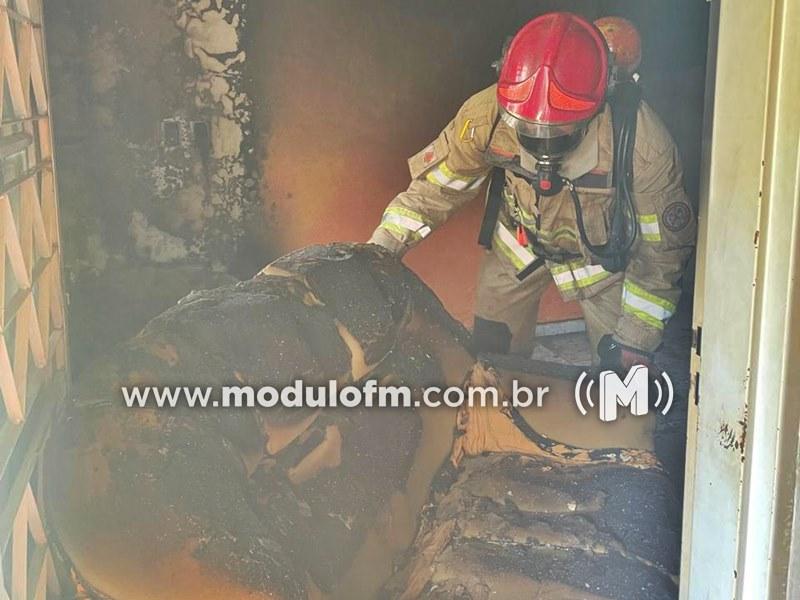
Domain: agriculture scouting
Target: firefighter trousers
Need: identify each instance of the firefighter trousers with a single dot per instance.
(506, 309)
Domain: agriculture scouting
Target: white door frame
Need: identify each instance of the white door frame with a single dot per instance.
(743, 430)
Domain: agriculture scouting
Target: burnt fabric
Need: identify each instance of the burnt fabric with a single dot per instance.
(512, 526)
(247, 503)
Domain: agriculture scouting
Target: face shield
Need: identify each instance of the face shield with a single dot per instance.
(530, 129)
(549, 144)
(553, 149)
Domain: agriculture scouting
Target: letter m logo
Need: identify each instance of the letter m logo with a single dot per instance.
(632, 393)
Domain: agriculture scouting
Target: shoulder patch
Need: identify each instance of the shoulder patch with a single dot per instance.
(429, 155)
(677, 216)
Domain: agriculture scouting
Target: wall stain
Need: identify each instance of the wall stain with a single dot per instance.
(734, 437)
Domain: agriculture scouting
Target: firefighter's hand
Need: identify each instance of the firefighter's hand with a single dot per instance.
(383, 238)
(618, 357)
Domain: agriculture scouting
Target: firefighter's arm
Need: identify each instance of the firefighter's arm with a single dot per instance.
(667, 231)
(445, 176)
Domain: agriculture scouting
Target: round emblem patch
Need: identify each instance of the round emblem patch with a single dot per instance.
(677, 216)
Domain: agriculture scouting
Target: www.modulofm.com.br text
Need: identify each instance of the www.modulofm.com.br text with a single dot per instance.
(299, 395)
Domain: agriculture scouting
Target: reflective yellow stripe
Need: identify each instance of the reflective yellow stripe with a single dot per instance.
(405, 212)
(518, 265)
(444, 176)
(643, 316)
(566, 285)
(405, 223)
(436, 177)
(528, 219)
(577, 274)
(597, 273)
(648, 224)
(452, 174)
(477, 183)
(559, 268)
(401, 232)
(633, 288)
(519, 256)
(645, 306)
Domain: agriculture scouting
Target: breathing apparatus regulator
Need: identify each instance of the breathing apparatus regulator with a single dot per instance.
(556, 75)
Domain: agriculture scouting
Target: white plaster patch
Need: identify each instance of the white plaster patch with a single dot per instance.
(189, 203)
(215, 44)
(154, 244)
(226, 137)
(209, 35)
(219, 87)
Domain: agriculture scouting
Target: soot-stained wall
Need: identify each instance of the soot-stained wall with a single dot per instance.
(154, 123)
(346, 91)
(155, 153)
(198, 139)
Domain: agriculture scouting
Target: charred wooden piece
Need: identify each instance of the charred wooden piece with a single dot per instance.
(513, 526)
(204, 503)
(201, 503)
(531, 517)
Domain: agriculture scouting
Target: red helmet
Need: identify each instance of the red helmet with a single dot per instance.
(554, 76)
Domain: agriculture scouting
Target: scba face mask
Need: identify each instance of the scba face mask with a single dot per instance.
(549, 154)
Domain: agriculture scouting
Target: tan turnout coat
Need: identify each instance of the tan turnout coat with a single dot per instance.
(634, 304)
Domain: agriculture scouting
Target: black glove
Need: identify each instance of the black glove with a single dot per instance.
(620, 358)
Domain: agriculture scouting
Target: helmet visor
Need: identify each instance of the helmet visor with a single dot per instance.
(553, 147)
(541, 130)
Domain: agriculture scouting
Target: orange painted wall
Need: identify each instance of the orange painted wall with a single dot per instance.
(345, 91)
(351, 93)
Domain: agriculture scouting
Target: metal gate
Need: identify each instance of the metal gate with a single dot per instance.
(32, 344)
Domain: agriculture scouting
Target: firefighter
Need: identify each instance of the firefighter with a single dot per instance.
(585, 188)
